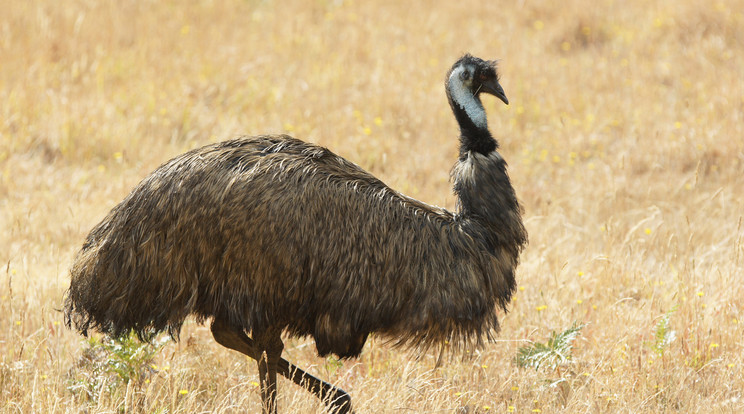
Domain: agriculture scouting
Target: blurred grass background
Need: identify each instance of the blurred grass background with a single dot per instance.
(625, 138)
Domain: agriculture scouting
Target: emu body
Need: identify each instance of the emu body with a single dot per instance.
(270, 234)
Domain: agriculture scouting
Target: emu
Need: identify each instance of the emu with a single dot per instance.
(269, 235)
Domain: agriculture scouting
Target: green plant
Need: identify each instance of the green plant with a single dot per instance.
(553, 354)
(663, 334)
(332, 365)
(110, 363)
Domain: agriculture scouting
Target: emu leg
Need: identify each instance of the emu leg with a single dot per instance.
(270, 345)
(234, 338)
(336, 398)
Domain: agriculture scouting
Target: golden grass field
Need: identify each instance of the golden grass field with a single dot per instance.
(625, 140)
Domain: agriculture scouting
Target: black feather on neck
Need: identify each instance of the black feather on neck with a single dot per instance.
(472, 137)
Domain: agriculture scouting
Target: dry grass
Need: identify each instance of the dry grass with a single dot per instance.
(626, 146)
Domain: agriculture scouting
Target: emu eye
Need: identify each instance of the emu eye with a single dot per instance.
(465, 75)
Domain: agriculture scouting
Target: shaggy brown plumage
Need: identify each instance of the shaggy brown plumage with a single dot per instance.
(272, 234)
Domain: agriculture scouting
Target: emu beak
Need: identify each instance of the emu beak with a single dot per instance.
(494, 88)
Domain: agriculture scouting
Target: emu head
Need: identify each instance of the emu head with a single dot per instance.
(474, 76)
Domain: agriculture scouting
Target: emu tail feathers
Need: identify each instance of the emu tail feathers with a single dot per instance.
(116, 285)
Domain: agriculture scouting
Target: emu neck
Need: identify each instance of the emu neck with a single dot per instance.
(472, 137)
(487, 205)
